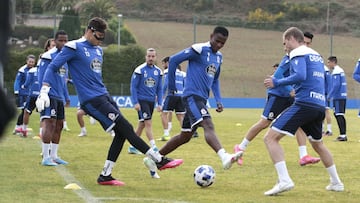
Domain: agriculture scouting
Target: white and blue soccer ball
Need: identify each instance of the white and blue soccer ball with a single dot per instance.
(204, 175)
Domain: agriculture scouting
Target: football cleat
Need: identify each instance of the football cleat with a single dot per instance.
(279, 188)
(109, 180)
(230, 159)
(166, 163)
(133, 150)
(308, 160)
(48, 162)
(237, 149)
(337, 187)
(341, 139)
(151, 165)
(60, 161)
(82, 134)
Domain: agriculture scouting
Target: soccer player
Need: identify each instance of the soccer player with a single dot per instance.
(356, 76)
(53, 115)
(146, 88)
(173, 102)
(84, 58)
(307, 112)
(338, 94)
(21, 94)
(202, 74)
(308, 37)
(31, 83)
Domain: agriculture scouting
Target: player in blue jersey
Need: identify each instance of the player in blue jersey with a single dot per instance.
(146, 89)
(21, 94)
(338, 94)
(84, 58)
(308, 37)
(307, 112)
(203, 71)
(356, 76)
(53, 115)
(173, 102)
(31, 83)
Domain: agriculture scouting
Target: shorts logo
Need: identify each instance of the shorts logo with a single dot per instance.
(111, 116)
(203, 111)
(145, 115)
(53, 112)
(271, 115)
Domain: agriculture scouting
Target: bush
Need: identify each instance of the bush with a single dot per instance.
(24, 32)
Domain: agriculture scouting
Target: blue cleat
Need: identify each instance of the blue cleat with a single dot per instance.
(133, 150)
(60, 161)
(48, 162)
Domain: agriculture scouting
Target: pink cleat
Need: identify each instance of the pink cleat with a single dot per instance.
(308, 160)
(168, 163)
(237, 149)
(109, 180)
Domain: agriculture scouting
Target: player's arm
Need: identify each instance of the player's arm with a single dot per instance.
(17, 83)
(29, 80)
(174, 61)
(298, 72)
(215, 87)
(159, 91)
(135, 79)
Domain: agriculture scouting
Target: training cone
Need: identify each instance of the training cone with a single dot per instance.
(72, 186)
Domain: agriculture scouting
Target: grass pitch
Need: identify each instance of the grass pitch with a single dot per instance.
(23, 179)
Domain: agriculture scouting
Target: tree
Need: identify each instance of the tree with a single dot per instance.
(71, 24)
(97, 8)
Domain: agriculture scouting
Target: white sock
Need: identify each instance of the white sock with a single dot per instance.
(166, 132)
(222, 154)
(45, 150)
(152, 143)
(65, 124)
(154, 155)
(334, 177)
(40, 131)
(54, 150)
(83, 130)
(329, 127)
(243, 145)
(169, 126)
(302, 151)
(24, 127)
(108, 166)
(282, 171)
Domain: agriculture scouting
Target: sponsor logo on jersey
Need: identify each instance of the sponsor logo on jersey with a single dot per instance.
(211, 70)
(150, 82)
(96, 65)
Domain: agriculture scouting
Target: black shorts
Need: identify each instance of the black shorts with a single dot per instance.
(30, 104)
(104, 109)
(172, 103)
(56, 110)
(275, 105)
(146, 110)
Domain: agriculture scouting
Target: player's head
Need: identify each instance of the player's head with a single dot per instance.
(275, 66)
(293, 37)
(308, 38)
(165, 62)
(218, 38)
(332, 61)
(30, 61)
(61, 38)
(95, 32)
(150, 56)
(50, 43)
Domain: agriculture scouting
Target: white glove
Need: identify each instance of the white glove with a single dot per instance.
(43, 99)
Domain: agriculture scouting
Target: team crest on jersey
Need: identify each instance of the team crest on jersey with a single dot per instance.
(156, 72)
(150, 82)
(211, 70)
(111, 116)
(62, 71)
(96, 65)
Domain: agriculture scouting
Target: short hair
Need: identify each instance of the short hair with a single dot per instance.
(295, 32)
(275, 65)
(308, 35)
(166, 59)
(60, 32)
(332, 59)
(30, 56)
(222, 30)
(97, 24)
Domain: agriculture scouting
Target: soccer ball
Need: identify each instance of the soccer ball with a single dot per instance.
(204, 175)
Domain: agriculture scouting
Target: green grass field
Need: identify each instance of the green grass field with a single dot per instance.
(23, 179)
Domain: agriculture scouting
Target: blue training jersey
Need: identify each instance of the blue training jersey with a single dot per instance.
(32, 82)
(146, 84)
(356, 74)
(282, 71)
(327, 80)
(56, 81)
(85, 66)
(307, 76)
(180, 77)
(20, 80)
(338, 89)
(202, 73)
